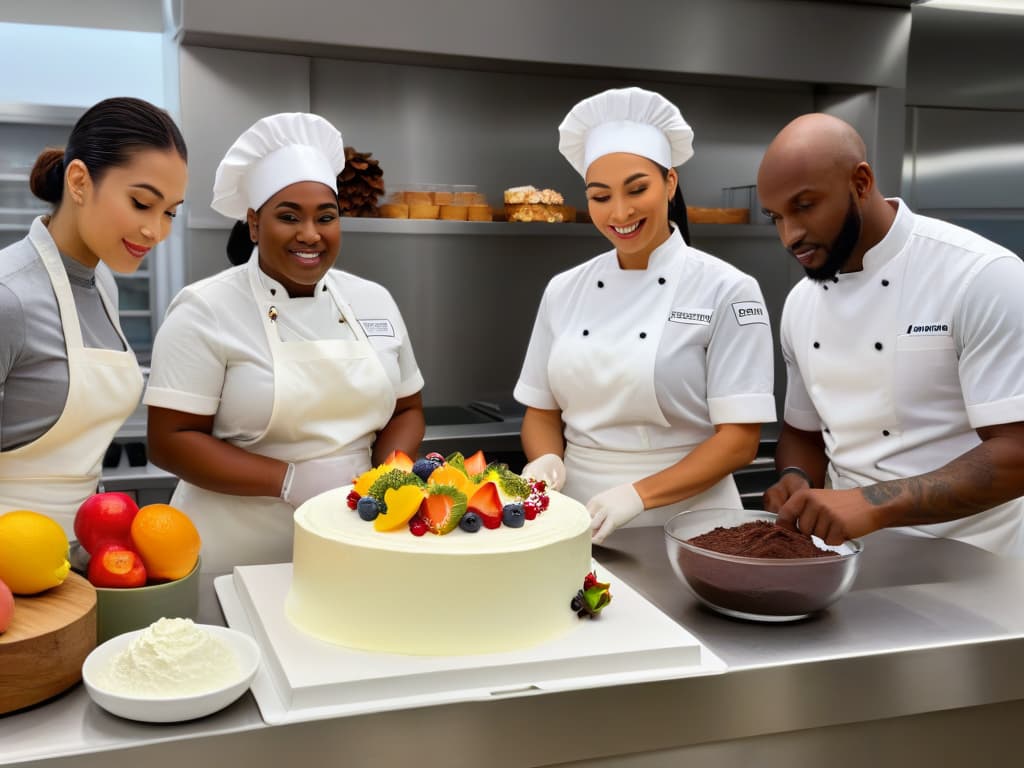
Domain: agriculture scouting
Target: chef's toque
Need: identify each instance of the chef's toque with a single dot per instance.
(629, 120)
(275, 152)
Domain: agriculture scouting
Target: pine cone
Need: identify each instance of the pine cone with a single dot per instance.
(360, 183)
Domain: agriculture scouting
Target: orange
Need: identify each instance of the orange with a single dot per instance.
(167, 541)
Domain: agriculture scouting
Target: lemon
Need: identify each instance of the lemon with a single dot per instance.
(33, 552)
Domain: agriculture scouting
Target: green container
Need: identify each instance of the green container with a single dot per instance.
(127, 609)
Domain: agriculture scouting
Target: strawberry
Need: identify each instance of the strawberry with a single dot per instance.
(589, 580)
(476, 464)
(443, 508)
(487, 503)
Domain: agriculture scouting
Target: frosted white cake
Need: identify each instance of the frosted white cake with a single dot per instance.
(457, 594)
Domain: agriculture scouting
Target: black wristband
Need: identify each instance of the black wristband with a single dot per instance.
(796, 471)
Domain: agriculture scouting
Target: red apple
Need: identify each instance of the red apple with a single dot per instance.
(105, 518)
(6, 607)
(115, 565)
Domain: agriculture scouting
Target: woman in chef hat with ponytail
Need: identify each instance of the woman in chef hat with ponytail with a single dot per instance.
(649, 371)
(279, 378)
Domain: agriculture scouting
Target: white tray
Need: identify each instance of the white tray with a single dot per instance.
(302, 678)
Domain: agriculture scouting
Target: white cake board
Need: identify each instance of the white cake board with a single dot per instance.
(302, 678)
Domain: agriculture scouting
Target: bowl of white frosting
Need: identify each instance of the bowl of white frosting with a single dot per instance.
(173, 670)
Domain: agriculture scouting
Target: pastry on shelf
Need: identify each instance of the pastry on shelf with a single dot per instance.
(697, 215)
(531, 204)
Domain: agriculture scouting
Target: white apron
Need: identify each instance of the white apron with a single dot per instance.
(612, 381)
(327, 395)
(55, 473)
(588, 471)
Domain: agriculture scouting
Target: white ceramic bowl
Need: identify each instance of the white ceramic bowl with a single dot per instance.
(178, 708)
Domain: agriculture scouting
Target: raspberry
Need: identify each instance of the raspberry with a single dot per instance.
(352, 499)
(544, 501)
(589, 580)
(416, 526)
(530, 508)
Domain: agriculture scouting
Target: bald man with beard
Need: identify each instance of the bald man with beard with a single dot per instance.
(904, 350)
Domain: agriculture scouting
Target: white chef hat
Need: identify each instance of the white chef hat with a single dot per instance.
(275, 152)
(630, 120)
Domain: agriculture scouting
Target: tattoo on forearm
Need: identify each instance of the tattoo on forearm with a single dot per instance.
(962, 487)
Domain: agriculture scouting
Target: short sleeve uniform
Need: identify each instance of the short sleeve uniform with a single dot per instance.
(652, 359)
(211, 355)
(898, 364)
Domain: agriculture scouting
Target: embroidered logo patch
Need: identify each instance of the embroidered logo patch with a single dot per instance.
(691, 316)
(377, 327)
(748, 312)
(928, 329)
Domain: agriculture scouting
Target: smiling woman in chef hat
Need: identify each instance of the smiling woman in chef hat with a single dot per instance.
(280, 378)
(649, 371)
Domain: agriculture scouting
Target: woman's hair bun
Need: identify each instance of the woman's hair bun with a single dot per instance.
(47, 178)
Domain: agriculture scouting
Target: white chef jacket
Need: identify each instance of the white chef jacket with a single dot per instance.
(688, 338)
(211, 355)
(899, 363)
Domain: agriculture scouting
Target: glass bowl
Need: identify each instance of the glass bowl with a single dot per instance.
(756, 588)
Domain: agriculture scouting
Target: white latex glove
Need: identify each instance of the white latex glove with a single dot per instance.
(612, 509)
(306, 479)
(548, 468)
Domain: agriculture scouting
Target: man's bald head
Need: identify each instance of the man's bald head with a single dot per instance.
(817, 187)
(816, 144)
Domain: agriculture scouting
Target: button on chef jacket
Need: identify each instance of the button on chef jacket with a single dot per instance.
(899, 363)
(211, 355)
(677, 348)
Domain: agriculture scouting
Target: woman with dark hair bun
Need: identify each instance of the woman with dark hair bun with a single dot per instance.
(68, 378)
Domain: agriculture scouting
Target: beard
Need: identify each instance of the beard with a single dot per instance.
(841, 249)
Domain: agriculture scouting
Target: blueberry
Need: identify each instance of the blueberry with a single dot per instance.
(470, 522)
(368, 508)
(422, 468)
(513, 515)
(576, 604)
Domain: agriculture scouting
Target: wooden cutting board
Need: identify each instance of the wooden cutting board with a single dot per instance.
(41, 653)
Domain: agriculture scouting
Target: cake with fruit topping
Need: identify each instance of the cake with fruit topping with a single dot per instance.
(440, 556)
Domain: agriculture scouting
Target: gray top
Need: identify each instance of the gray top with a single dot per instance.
(33, 357)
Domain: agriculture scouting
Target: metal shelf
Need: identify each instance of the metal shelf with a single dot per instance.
(521, 229)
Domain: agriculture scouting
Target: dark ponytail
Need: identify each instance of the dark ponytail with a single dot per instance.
(239, 247)
(105, 137)
(677, 209)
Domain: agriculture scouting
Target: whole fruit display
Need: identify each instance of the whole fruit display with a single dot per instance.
(105, 518)
(167, 540)
(33, 552)
(6, 607)
(115, 565)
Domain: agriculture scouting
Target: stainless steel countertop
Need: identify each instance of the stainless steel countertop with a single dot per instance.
(489, 436)
(930, 625)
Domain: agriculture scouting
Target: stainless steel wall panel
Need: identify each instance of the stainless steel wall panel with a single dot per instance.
(828, 42)
(499, 130)
(970, 60)
(967, 159)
